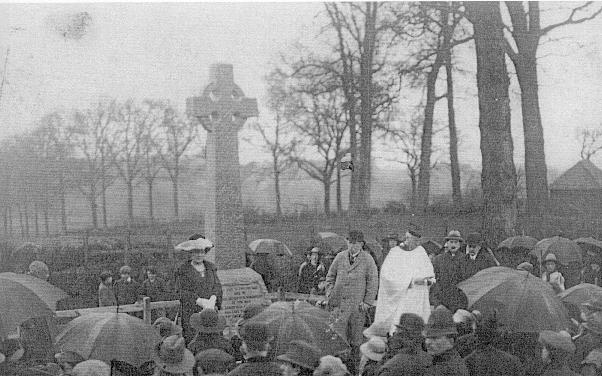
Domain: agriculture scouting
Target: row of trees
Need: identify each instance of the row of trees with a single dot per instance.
(88, 150)
(333, 97)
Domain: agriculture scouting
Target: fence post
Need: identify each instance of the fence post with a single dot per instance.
(146, 310)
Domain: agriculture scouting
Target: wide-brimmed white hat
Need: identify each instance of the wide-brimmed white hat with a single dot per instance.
(190, 245)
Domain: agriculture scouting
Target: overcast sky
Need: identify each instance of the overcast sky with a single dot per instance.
(164, 50)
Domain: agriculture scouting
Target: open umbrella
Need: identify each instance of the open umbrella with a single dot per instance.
(524, 302)
(331, 242)
(300, 320)
(109, 335)
(589, 244)
(271, 246)
(522, 241)
(23, 297)
(566, 250)
(580, 294)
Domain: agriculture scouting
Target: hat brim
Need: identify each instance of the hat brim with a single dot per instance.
(286, 358)
(185, 366)
(439, 332)
(454, 238)
(370, 354)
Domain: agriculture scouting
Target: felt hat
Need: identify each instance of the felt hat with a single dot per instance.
(166, 327)
(526, 266)
(594, 322)
(557, 340)
(454, 235)
(207, 321)
(302, 354)
(199, 244)
(125, 270)
(214, 361)
(356, 236)
(441, 323)
(474, 238)
(255, 332)
(550, 257)
(374, 349)
(39, 269)
(415, 230)
(410, 326)
(91, 367)
(172, 356)
(463, 316)
(331, 366)
(68, 357)
(315, 250)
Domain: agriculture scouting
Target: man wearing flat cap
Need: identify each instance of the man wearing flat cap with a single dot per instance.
(449, 271)
(351, 286)
(196, 281)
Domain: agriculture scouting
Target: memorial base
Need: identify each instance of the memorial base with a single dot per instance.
(241, 287)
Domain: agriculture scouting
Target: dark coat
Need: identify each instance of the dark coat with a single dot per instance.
(448, 363)
(126, 292)
(309, 277)
(449, 271)
(258, 366)
(406, 364)
(558, 370)
(466, 344)
(482, 261)
(583, 346)
(191, 285)
(489, 361)
(206, 341)
(156, 291)
(106, 296)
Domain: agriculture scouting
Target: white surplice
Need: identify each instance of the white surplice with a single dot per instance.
(397, 294)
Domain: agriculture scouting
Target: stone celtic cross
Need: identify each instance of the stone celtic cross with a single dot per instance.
(222, 109)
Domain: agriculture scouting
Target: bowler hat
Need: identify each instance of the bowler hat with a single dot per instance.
(550, 257)
(255, 332)
(215, 361)
(125, 270)
(207, 321)
(474, 238)
(302, 354)
(454, 235)
(415, 230)
(356, 236)
(410, 326)
(441, 323)
(557, 340)
(374, 349)
(172, 356)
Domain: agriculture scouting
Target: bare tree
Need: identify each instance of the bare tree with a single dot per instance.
(125, 145)
(151, 158)
(88, 137)
(521, 44)
(177, 133)
(498, 176)
(591, 142)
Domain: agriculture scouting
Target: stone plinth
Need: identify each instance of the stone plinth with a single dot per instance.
(241, 287)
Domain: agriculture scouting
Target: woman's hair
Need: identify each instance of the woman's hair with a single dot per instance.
(105, 275)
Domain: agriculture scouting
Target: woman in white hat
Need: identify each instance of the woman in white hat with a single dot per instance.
(551, 273)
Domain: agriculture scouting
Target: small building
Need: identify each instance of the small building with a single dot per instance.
(578, 190)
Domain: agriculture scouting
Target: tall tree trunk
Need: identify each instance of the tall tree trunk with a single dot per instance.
(62, 199)
(103, 186)
(339, 198)
(5, 217)
(10, 221)
(36, 223)
(365, 80)
(277, 191)
(26, 217)
(453, 136)
(326, 184)
(498, 177)
(413, 180)
(130, 188)
(536, 170)
(174, 188)
(21, 224)
(424, 173)
(46, 220)
(93, 206)
(151, 213)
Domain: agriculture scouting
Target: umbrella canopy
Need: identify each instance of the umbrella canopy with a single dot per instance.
(271, 246)
(301, 321)
(566, 250)
(589, 244)
(331, 242)
(524, 302)
(522, 241)
(580, 294)
(109, 335)
(24, 297)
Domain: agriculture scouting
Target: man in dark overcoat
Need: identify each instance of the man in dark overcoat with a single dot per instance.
(449, 269)
(478, 257)
(196, 281)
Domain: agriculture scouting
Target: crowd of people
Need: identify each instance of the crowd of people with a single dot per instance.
(401, 313)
